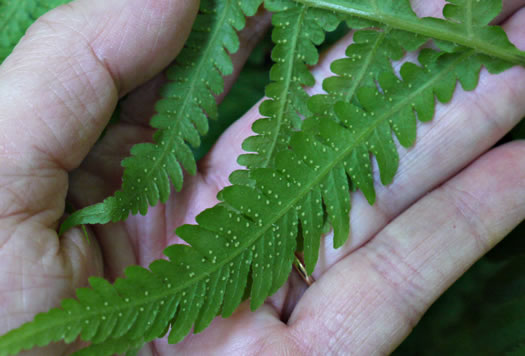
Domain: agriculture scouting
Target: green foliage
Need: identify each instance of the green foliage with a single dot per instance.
(299, 173)
(181, 116)
(15, 18)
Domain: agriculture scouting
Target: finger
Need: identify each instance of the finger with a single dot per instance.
(60, 85)
(37, 270)
(509, 8)
(434, 8)
(374, 297)
(57, 91)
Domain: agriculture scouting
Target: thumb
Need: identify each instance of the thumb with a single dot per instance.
(60, 85)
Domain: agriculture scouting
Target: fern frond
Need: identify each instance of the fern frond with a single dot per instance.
(466, 25)
(15, 18)
(182, 115)
(314, 173)
(297, 31)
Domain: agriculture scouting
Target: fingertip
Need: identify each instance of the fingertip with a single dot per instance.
(507, 162)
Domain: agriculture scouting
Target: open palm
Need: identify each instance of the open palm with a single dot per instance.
(450, 202)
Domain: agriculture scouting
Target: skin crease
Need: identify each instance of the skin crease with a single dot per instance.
(57, 91)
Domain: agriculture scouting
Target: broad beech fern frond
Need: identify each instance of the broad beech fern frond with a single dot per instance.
(188, 99)
(245, 245)
(15, 18)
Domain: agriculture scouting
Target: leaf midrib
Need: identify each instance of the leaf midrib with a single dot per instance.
(359, 140)
(368, 63)
(284, 96)
(438, 29)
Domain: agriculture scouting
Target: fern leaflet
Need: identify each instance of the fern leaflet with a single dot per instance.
(181, 120)
(112, 347)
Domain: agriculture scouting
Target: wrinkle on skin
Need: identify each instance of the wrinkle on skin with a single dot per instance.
(466, 205)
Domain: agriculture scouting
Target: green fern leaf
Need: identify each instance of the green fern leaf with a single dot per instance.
(369, 55)
(465, 26)
(135, 310)
(15, 18)
(189, 96)
(314, 172)
(297, 30)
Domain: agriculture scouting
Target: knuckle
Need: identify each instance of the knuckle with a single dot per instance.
(467, 207)
(404, 282)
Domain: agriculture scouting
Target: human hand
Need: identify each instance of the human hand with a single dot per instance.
(57, 92)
